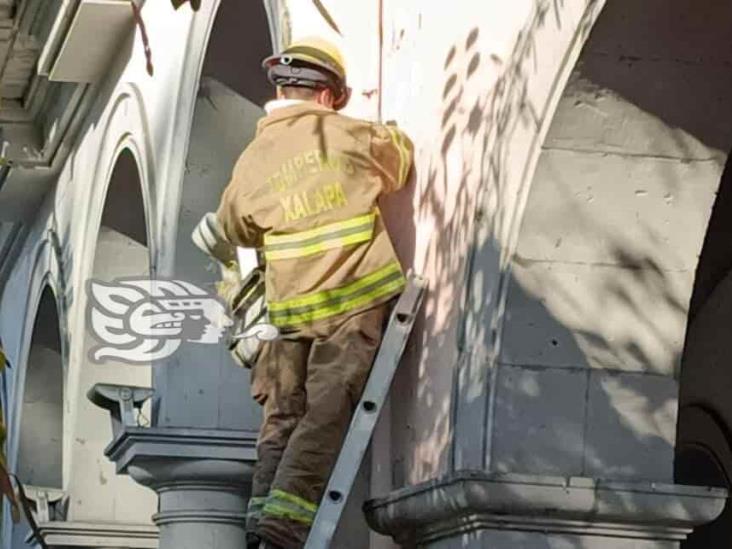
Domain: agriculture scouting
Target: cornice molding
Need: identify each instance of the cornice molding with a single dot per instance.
(97, 534)
(473, 500)
(148, 444)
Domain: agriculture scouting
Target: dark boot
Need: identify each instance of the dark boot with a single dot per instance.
(253, 540)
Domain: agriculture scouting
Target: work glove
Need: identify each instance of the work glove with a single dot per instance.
(251, 322)
(244, 297)
(209, 237)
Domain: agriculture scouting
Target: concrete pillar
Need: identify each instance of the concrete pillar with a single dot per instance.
(202, 479)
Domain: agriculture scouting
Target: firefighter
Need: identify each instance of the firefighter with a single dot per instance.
(305, 192)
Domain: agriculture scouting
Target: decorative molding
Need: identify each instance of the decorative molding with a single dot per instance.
(470, 501)
(99, 534)
(205, 517)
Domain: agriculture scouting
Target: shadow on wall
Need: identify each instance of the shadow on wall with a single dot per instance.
(575, 401)
(463, 184)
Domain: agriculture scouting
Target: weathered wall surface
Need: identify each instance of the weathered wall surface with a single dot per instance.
(478, 104)
(604, 268)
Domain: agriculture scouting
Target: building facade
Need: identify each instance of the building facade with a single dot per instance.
(566, 384)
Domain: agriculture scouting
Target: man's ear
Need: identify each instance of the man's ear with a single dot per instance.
(326, 97)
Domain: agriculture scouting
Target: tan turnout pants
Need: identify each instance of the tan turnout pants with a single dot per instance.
(309, 388)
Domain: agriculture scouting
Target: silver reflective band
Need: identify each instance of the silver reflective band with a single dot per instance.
(209, 237)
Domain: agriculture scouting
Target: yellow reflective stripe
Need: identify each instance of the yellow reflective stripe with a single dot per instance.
(299, 238)
(318, 298)
(343, 307)
(285, 505)
(280, 511)
(387, 280)
(327, 237)
(338, 242)
(398, 144)
(403, 152)
(292, 498)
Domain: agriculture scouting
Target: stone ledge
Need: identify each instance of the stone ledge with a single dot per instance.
(99, 534)
(474, 500)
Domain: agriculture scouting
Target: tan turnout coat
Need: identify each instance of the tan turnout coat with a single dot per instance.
(305, 191)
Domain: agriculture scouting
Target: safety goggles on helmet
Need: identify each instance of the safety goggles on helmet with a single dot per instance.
(301, 75)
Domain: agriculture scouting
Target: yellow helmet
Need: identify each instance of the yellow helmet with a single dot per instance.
(310, 62)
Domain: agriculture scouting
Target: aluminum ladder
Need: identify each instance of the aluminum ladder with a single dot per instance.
(366, 414)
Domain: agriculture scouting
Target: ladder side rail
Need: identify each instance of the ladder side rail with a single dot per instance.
(366, 415)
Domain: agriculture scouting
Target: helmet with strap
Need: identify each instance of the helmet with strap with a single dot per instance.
(311, 63)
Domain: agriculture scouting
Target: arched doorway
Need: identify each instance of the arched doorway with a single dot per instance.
(122, 243)
(96, 492)
(41, 427)
(40, 453)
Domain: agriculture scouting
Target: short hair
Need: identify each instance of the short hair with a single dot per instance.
(300, 92)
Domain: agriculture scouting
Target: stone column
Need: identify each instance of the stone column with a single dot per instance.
(202, 478)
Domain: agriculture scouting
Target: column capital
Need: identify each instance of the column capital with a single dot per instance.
(202, 478)
(155, 456)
